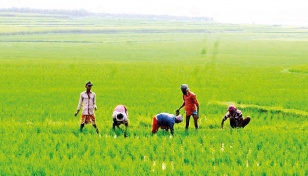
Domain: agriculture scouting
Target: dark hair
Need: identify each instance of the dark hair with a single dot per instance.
(120, 116)
(89, 83)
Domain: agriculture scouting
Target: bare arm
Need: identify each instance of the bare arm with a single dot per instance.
(171, 128)
(222, 122)
(178, 110)
(126, 126)
(94, 102)
(197, 104)
(198, 111)
(76, 112)
(172, 131)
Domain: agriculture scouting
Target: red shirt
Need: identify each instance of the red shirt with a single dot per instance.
(191, 102)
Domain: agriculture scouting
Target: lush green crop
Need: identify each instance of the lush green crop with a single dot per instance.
(260, 69)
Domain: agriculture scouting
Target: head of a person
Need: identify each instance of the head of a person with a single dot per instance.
(120, 117)
(89, 85)
(184, 88)
(178, 119)
(231, 109)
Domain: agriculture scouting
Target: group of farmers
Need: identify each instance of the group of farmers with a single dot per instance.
(163, 120)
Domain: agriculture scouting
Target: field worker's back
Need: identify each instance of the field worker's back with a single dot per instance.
(236, 115)
(166, 119)
(120, 109)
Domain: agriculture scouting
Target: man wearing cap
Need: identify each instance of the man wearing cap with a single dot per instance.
(165, 121)
(120, 116)
(191, 105)
(236, 119)
(88, 101)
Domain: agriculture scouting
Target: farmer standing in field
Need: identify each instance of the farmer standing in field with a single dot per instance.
(236, 119)
(88, 101)
(120, 116)
(191, 105)
(165, 121)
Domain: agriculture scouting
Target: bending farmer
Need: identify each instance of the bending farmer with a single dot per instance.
(165, 121)
(236, 119)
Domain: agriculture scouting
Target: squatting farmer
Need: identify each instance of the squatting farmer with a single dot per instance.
(88, 101)
(236, 119)
(165, 121)
(120, 116)
(191, 105)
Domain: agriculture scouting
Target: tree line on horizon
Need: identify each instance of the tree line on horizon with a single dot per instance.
(85, 13)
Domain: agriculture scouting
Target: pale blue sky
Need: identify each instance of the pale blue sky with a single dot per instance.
(285, 12)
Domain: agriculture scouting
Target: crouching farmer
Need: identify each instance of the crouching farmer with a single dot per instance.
(165, 121)
(120, 116)
(236, 119)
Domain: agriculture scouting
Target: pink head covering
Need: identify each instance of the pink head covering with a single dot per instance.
(231, 108)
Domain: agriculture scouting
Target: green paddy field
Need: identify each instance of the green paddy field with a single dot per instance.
(46, 59)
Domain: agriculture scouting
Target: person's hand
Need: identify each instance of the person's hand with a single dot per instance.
(177, 112)
(95, 108)
(76, 113)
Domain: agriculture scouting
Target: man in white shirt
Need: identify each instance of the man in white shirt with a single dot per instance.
(88, 101)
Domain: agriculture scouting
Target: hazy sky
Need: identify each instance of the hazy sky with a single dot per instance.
(291, 12)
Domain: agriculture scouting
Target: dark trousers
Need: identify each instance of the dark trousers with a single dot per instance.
(241, 123)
